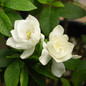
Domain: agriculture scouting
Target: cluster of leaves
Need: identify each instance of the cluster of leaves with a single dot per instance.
(30, 71)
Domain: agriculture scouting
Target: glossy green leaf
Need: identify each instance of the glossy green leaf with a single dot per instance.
(44, 70)
(46, 1)
(84, 38)
(72, 64)
(65, 82)
(79, 76)
(81, 68)
(71, 11)
(39, 7)
(49, 18)
(39, 48)
(22, 5)
(4, 62)
(5, 24)
(58, 4)
(2, 1)
(5, 52)
(13, 16)
(78, 79)
(24, 77)
(11, 75)
(43, 1)
(38, 78)
(13, 56)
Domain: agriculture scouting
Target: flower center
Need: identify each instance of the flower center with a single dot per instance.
(28, 34)
(58, 48)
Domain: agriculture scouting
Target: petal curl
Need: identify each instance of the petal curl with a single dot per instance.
(45, 57)
(43, 42)
(76, 56)
(33, 19)
(16, 23)
(64, 58)
(57, 68)
(15, 35)
(10, 42)
(27, 53)
(57, 31)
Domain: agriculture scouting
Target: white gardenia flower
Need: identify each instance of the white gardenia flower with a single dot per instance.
(59, 49)
(26, 35)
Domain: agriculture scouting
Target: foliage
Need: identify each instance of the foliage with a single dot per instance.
(29, 72)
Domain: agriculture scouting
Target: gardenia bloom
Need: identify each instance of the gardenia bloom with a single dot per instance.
(57, 48)
(26, 35)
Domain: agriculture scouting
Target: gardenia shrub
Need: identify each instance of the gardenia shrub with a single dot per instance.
(36, 46)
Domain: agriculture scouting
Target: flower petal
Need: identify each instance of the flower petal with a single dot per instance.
(10, 42)
(43, 42)
(15, 36)
(45, 57)
(27, 53)
(57, 68)
(64, 58)
(57, 31)
(33, 19)
(16, 23)
(35, 37)
(76, 56)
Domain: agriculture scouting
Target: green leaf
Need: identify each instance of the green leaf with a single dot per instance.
(43, 1)
(5, 24)
(5, 52)
(49, 18)
(2, 1)
(13, 16)
(58, 4)
(65, 82)
(4, 62)
(71, 11)
(81, 68)
(13, 56)
(39, 7)
(84, 38)
(46, 1)
(23, 5)
(38, 78)
(72, 64)
(11, 75)
(78, 79)
(44, 70)
(24, 77)
(79, 76)
(39, 48)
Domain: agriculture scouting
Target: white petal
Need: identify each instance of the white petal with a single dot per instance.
(16, 23)
(27, 53)
(22, 45)
(45, 57)
(22, 27)
(15, 36)
(43, 42)
(32, 18)
(57, 68)
(10, 42)
(76, 56)
(42, 38)
(35, 37)
(57, 31)
(65, 37)
(62, 59)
